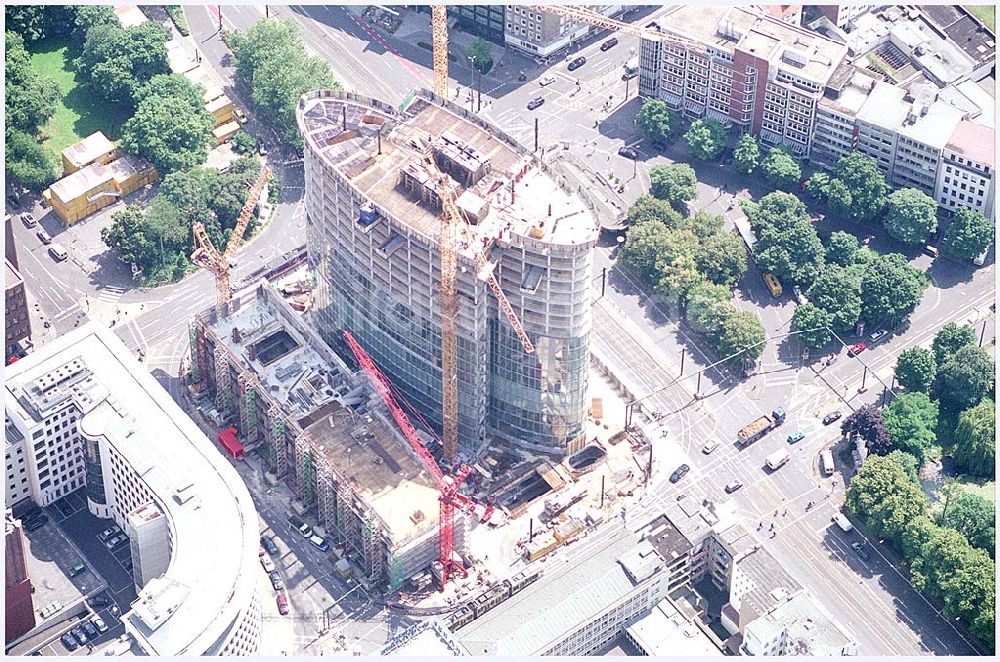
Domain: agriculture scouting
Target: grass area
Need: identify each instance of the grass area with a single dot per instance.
(79, 112)
(984, 488)
(985, 13)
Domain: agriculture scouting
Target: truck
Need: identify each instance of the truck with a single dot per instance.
(777, 459)
(759, 427)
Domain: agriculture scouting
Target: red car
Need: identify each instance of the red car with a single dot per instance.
(282, 604)
(857, 349)
(261, 551)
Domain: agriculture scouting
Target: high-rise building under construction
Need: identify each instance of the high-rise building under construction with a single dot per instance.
(373, 222)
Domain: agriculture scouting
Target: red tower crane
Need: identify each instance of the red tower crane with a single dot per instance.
(447, 486)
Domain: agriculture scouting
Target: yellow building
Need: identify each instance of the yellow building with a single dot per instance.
(97, 186)
(95, 148)
(225, 131)
(221, 108)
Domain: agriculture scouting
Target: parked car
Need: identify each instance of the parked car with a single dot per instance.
(305, 530)
(861, 550)
(276, 581)
(44, 236)
(857, 348)
(577, 63)
(79, 634)
(79, 568)
(101, 626)
(710, 446)
(831, 417)
(262, 551)
(100, 601)
(282, 604)
(320, 543)
(679, 473)
(629, 153)
(733, 486)
(931, 250)
(609, 44)
(108, 532)
(535, 103)
(269, 545)
(796, 437)
(800, 298)
(57, 252)
(267, 564)
(35, 524)
(28, 219)
(546, 80)
(115, 541)
(878, 335)
(90, 629)
(69, 642)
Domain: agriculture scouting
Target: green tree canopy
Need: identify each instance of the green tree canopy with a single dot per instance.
(88, 16)
(272, 61)
(911, 216)
(28, 21)
(127, 236)
(814, 323)
(706, 138)
(794, 253)
(746, 156)
(974, 517)
(890, 289)
(707, 306)
(865, 183)
(741, 330)
(656, 121)
(911, 420)
(27, 161)
(169, 132)
(950, 339)
(676, 269)
(644, 244)
(966, 378)
(841, 248)
(909, 463)
(818, 186)
(884, 495)
(969, 234)
(838, 292)
(722, 258)
(975, 440)
(675, 183)
(30, 97)
(781, 169)
(776, 211)
(916, 369)
(482, 54)
(703, 224)
(649, 208)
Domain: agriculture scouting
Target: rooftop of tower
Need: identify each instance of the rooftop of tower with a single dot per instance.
(501, 188)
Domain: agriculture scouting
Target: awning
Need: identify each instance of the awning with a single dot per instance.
(229, 441)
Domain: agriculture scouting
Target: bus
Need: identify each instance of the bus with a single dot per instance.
(773, 284)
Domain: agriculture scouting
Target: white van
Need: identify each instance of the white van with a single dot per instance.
(777, 459)
(826, 463)
(844, 523)
(57, 252)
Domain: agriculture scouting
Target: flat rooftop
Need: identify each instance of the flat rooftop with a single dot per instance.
(87, 179)
(853, 94)
(90, 148)
(809, 628)
(665, 631)
(213, 565)
(345, 133)
(729, 28)
(974, 141)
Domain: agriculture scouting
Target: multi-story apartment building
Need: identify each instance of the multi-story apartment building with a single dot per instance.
(754, 73)
(17, 326)
(487, 21)
(842, 14)
(966, 176)
(373, 222)
(90, 416)
(19, 610)
(836, 131)
(543, 34)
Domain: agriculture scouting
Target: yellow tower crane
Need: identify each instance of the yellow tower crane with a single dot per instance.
(208, 257)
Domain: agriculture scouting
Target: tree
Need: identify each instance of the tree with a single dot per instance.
(116, 62)
(916, 369)
(886, 497)
(704, 225)
(656, 121)
(706, 138)
(243, 143)
(746, 156)
(169, 132)
(707, 306)
(865, 183)
(479, 49)
(30, 97)
(740, 331)
(675, 183)
(909, 463)
(781, 169)
(838, 292)
(839, 200)
(973, 517)
(950, 339)
(794, 254)
(644, 243)
(232, 189)
(271, 60)
(28, 21)
(966, 378)
(867, 422)
(814, 325)
(969, 235)
(890, 289)
(649, 208)
(88, 16)
(722, 258)
(776, 211)
(911, 216)
(27, 161)
(127, 236)
(916, 534)
(675, 269)
(841, 247)
(164, 86)
(975, 440)
(911, 420)
(818, 185)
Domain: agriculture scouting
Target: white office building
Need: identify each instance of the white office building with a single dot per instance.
(966, 175)
(88, 415)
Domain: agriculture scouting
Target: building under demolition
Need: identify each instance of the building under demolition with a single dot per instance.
(373, 225)
(322, 431)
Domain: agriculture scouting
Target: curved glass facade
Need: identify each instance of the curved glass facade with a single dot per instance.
(94, 470)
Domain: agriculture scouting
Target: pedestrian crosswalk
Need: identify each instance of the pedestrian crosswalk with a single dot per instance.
(110, 294)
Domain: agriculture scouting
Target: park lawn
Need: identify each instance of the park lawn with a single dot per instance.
(986, 14)
(79, 112)
(984, 488)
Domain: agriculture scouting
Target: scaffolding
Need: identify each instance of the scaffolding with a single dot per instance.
(307, 484)
(278, 448)
(326, 496)
(223, 386)
(195, 346)
(343, 496)
(370, 534)
(248, 410)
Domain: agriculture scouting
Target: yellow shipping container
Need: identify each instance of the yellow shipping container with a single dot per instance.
(97, 186)
(221, 108)
(95, 148)
(225, 132)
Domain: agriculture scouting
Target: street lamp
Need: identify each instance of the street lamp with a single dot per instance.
(478, 98)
